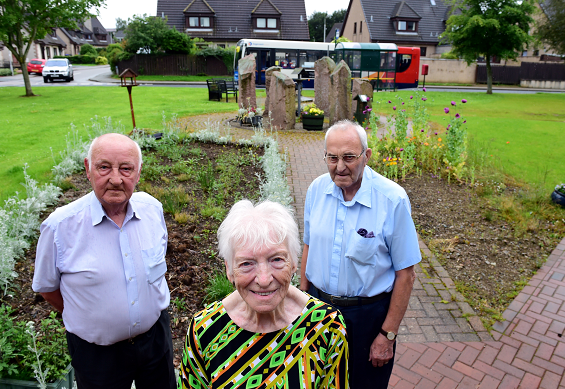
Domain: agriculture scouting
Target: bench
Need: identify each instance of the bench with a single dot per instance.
(214, 91)
(229, 87)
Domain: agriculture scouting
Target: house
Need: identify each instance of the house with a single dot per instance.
(332, 34)
(415, 23)
(224, 23)
(50, 46)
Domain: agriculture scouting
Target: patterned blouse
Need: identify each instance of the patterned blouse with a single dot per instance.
(311, 352)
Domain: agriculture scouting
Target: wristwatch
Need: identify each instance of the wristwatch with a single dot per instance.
(389, 335)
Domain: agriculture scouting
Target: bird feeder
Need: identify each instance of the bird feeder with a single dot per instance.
(128, 73)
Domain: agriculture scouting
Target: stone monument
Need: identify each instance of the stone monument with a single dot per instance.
(268, 73)
(360, 87)
(323, 68)
(340, 93)
(246, 67)
(282, 101)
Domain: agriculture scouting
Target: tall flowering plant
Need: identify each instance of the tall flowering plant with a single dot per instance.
(456, 140)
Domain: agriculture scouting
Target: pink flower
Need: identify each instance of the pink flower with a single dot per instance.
(463, 101)
(421, 130)
(457, 115)
(464, 121)
(424, 89)
(411, 97)
(453, 103)
(394, 108)
(403, 103)
(403, 110)
(446, 110)
(401, 149)
(424, 98)
(448, 126)
(369, 109)
(435, 133)
(389, 101)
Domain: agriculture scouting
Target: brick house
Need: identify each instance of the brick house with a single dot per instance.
(224, 23)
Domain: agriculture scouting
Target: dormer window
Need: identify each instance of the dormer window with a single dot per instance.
(199, 17)
(405, 25)
(266, 23)
(199, 22)
(265, 17)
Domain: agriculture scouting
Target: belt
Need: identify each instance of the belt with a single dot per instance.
(351, 301)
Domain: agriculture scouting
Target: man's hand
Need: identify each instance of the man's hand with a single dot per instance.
(381, 351)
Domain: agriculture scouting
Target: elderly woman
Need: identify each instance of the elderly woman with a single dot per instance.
(267, 333)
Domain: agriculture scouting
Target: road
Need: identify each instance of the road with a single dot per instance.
(82, 76)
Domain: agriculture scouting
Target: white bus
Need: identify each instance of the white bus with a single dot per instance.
(286, 54)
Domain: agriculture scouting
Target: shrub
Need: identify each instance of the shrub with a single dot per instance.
(87, 49)
(5, 72)
(449, 55)
(101, 61)
(79, 59)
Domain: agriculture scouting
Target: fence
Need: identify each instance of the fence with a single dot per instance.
(174, 65)
(526, 71)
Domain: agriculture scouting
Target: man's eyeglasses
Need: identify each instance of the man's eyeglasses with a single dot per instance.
(347, 158)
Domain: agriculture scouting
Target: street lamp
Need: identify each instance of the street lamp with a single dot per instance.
(128, 73)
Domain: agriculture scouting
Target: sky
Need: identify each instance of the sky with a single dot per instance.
(127, 8)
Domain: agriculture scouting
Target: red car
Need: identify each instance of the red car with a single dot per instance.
(35, 66)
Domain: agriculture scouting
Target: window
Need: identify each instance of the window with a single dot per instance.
(423, 51)
(199, 22)
(404, 62)
(266, 23)
(525, 53)
(355, 28)
(536, 53)
(360, 27)
(404, 25)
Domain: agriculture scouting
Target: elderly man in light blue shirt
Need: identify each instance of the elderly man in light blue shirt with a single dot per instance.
(360, 248)
(101, 262)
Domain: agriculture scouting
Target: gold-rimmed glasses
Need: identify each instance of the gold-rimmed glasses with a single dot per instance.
(347, 158)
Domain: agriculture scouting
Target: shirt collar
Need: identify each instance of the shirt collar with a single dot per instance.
(98, 213)
(363, 195)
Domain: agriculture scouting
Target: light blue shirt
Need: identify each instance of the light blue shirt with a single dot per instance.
(111, 278)
(340, 261)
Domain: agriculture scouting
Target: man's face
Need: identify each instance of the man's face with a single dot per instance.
(114, 170)
(347, 176)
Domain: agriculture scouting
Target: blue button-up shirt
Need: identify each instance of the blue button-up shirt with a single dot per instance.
(111, 278)
(340, 261)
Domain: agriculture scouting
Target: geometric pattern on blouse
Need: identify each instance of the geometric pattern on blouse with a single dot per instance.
(311, 352)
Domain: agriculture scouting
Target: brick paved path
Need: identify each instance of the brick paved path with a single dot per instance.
(442, 344)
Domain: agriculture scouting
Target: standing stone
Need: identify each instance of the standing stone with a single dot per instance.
(322, 70)
(282, 101)
(340, 93)
(268, 73)
(247, 68)
(360, 87)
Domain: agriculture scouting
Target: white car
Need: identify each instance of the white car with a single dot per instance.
(58, 69)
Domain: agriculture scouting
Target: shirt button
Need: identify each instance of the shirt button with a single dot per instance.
(134, 324)
(129, 279)
(133, 302)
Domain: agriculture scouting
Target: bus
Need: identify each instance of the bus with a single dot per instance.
(384, 64)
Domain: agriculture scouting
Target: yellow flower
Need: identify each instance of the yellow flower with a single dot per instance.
(384, 159)
(394, 159)
(439, 139)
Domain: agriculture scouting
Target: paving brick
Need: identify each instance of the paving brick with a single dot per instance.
(548, 365)
(556, 327)
(523, 327)
(548, 290)
(550, 381)
(421, 348)
(409, 358)
(552, 307)
(468, 355)
(545, 351)
(488, 355)
(407, 375)
(468, 371)
(456, 345)
(464, 325)
(447, 383)
(530, 381)
(512, 342)
(437, 346)
(429, 321)
(469, 337)
(476, 323)
(430, 333)
(558, 360)
(447, 372)
(426, 372)
(508, 368)
(404, 385)
(507, 353)
(509, 382)
(446, 337)
(524, 339)
(443, 329)
(526, 352)
(412, 338)
(449, 356)
(466, 308)
(540, 327)
(544, 339)
(489, 383)
(528, 367)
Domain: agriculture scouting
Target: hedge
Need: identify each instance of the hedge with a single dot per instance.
(79, 59)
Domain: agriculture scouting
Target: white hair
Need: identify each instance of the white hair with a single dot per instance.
(344, 125)
(265, 224)
(95, 140)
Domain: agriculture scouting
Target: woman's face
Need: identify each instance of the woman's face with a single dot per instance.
(262, 277)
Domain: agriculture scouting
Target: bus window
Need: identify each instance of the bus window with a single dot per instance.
(388, 60)
(286, 60)
(404, 61)
(353, 59)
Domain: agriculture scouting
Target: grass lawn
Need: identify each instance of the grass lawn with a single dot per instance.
(525, 132)
(29, 127)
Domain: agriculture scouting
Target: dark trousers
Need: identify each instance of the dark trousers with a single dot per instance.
(363, 323)
(147, 359)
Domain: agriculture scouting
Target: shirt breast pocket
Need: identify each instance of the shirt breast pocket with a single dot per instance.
(154, 262)
(361, 250)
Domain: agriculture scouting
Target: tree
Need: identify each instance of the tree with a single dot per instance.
(489, 28)
(551, 28)
(150, 34)
(87, 49)
(24, 21)
(316, 23)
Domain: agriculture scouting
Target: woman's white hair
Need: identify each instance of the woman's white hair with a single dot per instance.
(95, 140)
(343, 125)
(265, 224)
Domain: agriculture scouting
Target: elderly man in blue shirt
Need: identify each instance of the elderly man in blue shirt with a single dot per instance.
(101, 262)
(360, 248)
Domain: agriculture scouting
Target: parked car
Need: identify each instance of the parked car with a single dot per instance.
(35, 66)
(58, 69)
